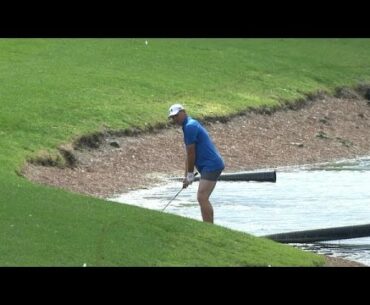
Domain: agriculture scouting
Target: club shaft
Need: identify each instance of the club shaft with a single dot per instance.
(176, 195)
(172, 199)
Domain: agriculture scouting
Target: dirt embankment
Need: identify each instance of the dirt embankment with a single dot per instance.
(332, 261)
(321, 128)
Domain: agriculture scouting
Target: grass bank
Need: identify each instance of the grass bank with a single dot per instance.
(55, 90)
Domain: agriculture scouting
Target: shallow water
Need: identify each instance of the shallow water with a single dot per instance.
(305, 198)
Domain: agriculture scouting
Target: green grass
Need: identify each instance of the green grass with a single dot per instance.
(55, 90)
(48, 227)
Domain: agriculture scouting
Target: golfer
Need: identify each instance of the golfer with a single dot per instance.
(201, 153)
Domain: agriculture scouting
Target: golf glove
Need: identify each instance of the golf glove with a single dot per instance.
(190, 178)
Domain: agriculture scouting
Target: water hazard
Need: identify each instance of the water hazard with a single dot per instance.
(305, 198)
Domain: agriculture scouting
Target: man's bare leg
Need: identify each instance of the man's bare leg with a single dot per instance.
(205, 190)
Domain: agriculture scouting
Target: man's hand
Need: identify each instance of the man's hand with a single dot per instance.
(188, 180)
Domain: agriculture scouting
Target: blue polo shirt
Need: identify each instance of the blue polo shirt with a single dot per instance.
(207, 157)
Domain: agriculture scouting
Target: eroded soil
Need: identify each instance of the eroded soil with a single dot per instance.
(324, 129)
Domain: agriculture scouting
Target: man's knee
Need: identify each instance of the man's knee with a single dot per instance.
(205, 191)
(202, 197)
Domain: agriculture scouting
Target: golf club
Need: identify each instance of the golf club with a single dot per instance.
(176, 195)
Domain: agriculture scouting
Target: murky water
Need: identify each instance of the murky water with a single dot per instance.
(305, 198)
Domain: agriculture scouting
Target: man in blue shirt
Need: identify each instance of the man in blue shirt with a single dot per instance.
(201, 153)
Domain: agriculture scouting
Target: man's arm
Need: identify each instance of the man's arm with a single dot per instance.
(189, 164)
(190, 156)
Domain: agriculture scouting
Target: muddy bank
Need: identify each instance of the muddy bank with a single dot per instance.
(332, 261)
(321, 129)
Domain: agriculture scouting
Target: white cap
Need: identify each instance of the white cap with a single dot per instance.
(175, 109)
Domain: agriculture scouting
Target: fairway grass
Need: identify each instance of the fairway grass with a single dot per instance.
(56, 90)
